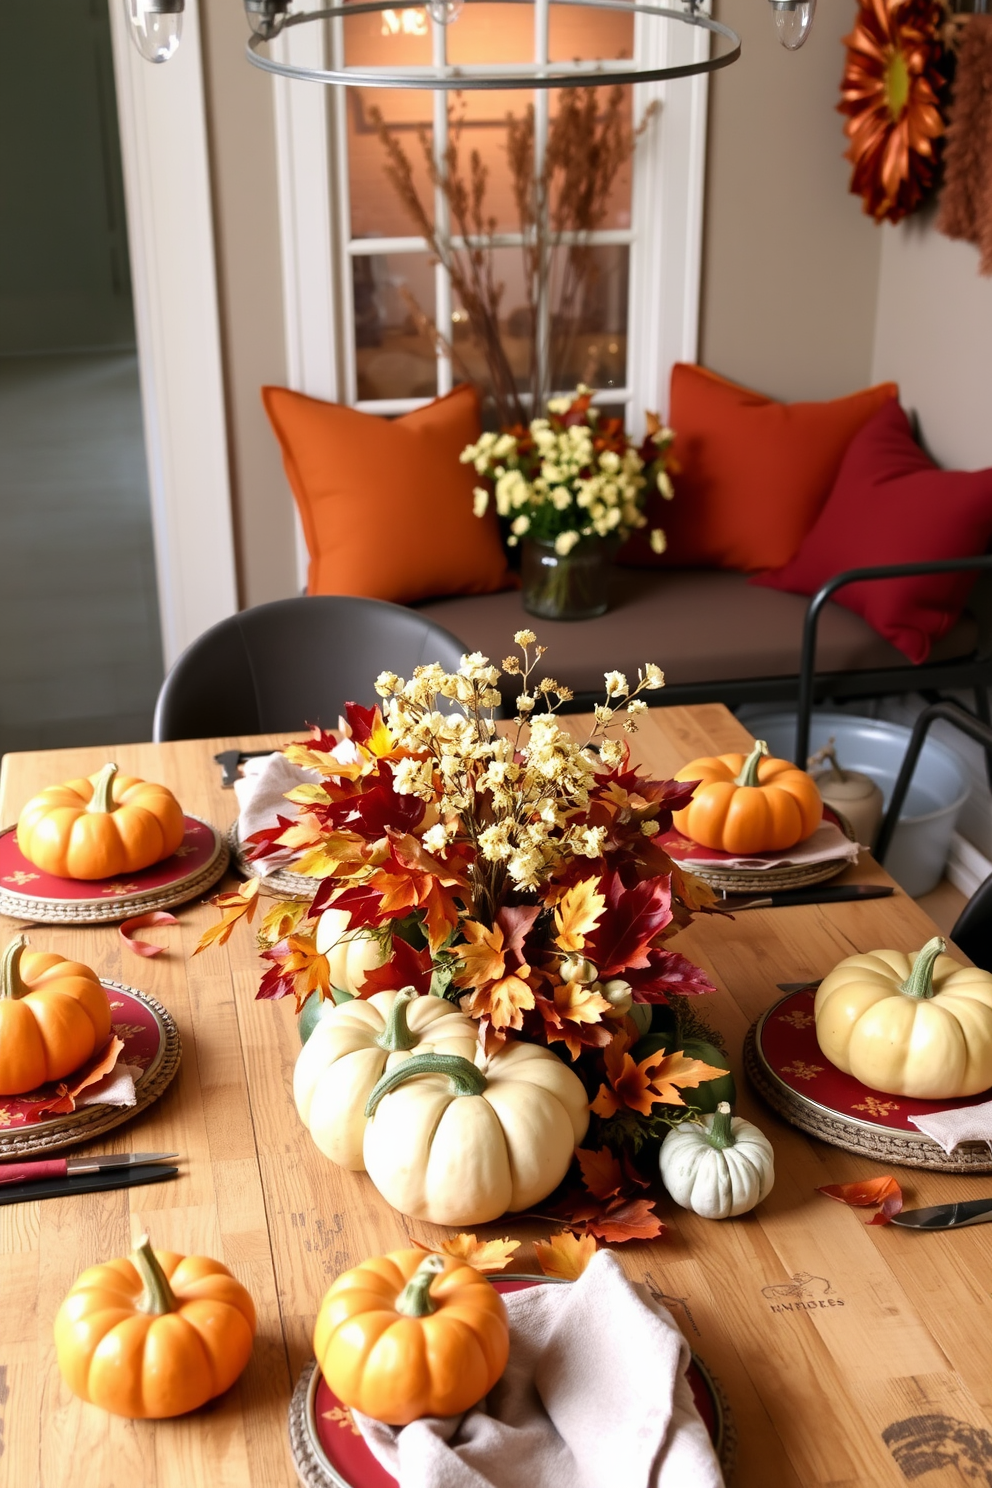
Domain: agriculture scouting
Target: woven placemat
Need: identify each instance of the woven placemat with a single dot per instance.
(881, 1144)
(87, 1122)
(280, 881)
(762, 880)
(315, 1470)
(101, 911)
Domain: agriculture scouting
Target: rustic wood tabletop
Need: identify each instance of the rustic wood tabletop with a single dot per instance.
(849, 1355)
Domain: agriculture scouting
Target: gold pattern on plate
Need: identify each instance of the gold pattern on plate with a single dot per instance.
(185, 850)
(802, 1071)
(20, 877)
(876, 1107)
(796, 1019)
(342, 1415)
(121, 888)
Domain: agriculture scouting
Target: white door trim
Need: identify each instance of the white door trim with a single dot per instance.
(173, 268)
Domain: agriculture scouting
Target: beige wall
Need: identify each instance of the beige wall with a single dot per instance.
(242, 147)
(934, 336)
(790, 268)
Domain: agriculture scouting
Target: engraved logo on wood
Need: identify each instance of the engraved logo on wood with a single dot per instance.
(924, 1444)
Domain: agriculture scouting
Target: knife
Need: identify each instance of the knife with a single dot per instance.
(74, 1167)
(817, 894)
(230, 759)
(64, 1188)
(946, 1216)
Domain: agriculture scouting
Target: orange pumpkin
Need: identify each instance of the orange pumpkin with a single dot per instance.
(54, 1015)
(406, 1335)
(155, 1335)
(100, 827)
(749, 804)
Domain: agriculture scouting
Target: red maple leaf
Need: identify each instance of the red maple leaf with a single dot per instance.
(633, 916)
(266, 839)
(868, 1194)
(667, 971)
(406, 967)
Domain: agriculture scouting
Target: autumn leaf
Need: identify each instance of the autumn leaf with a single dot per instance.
(869, 1193)
(565, 1255)
(675, 1069)
(577, 913)
(601, 1173)
(297, 969)
(633, 916)
(633, 1220)
(482, 955)
(640, 1087)
(281, 920)
(481, 1255)
(239, 903)
(406, 967)
(503, 1003)
(666, 972)
(516, 922)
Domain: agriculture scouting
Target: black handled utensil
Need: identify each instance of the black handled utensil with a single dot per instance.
(62, 1188)
(815, 894)
(946, 1216)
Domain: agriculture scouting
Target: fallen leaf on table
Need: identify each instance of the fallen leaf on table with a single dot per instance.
(634, 1219)
(482, 1255)
(63, 1097)
(869, 1193)
(565, 1255)
(143, 922)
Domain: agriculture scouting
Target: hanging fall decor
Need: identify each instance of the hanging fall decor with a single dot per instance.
(891, 94)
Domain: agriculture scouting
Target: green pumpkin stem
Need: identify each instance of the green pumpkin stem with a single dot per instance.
(749, 770)
(415, 1299)
(12, 984)
(720, 1134)
(396, 1034)
(919, 983)
(158, 1298)
(465, 1078)
(102, 798)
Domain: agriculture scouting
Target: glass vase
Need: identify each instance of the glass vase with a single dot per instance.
(570, 586)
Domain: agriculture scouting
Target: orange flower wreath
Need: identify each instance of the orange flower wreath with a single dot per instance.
(891, 95)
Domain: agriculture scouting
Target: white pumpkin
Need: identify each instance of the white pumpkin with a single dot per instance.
(352, 1047)
(350, 953)
(719, 1167)
(460, 1143)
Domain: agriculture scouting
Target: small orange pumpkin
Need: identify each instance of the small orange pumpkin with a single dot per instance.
(155, 1335)
(406, 1335)
(54, 1015)
(749, 803)
(100, 827)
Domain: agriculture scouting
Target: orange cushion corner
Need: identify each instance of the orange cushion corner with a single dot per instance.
(754, 473)
(386, 506)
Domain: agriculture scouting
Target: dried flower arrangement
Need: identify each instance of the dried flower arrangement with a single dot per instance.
(558, 208)
(571, 475)
(513, 870)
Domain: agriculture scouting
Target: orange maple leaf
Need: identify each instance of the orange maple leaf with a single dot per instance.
(233, 906)
(867, 1194)
(481, 1255)
(601, 1172)
(482, 957)
(577, 914)
(579, 1004)
(641, 1087)
(503, 1002)
(675, 1069)
(565, 1255)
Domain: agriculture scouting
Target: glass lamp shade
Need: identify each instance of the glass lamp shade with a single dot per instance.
(444, 11)
(155, 26)
(793, 19)
(266, 17)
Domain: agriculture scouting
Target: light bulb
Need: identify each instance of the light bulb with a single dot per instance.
(444, 11)
(266, 17)
(155, 26)
(793, 19)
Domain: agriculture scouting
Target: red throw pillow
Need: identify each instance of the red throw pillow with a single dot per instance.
(385, 504)
(892, 504)
(754, 473)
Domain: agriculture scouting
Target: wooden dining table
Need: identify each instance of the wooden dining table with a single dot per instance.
(849, 1354)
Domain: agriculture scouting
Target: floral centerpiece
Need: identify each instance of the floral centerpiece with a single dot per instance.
(514, 870)
(572, 486)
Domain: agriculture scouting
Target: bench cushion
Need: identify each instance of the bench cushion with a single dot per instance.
(699, 625)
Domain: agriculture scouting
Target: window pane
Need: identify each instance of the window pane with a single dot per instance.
(492, 33)
(394, 355)
(514, 323)
(376, 209)
(613, 206)
(589, 323)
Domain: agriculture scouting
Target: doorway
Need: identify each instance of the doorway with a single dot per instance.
(80, 645)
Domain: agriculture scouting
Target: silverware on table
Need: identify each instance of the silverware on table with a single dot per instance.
(65, 1188)
(230, 759)
(815, 894)
(37, 1170)
(946, 1216)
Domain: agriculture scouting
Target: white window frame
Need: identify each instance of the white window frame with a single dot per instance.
(665, 236)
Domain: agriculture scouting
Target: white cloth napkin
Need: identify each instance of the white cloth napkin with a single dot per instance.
(594, 1396)
(115, 1089)
(950, 1128)
(826, 844)
(261, 793)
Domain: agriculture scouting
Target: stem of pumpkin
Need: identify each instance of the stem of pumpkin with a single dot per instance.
(749, 770)
(396, 1035)
(12, 984)
(720, 1134)
(919, 983)
(102, 798)
(158, 1298)
(415, 1299)
(465, 1078)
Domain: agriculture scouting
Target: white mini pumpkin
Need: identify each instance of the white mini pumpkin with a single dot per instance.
(350, 953)
(718, 1167)
(352, 1047)
(460, 1143)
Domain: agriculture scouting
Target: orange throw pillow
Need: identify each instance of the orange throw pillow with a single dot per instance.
(385, 505)
(754, 473)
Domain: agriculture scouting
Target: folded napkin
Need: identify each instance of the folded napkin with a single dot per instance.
(594, 1396)
(261, 793)
(964, 1124)
(827, 843)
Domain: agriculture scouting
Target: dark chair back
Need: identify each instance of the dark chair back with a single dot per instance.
(973, 929)
(280, 666)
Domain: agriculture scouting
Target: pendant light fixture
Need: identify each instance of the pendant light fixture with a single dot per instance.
(156, 26)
